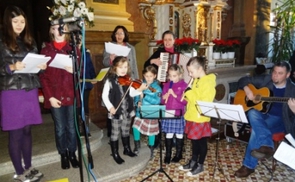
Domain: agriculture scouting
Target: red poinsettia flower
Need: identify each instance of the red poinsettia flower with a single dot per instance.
(225, 45)
(186, 44)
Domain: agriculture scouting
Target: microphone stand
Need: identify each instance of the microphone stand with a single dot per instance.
(77, 88)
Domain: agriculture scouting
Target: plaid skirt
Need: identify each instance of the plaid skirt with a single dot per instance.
(173, 125)
(197, 130)
(146, 126)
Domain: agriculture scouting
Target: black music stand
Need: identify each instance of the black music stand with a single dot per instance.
(160, 116)
(225, 112)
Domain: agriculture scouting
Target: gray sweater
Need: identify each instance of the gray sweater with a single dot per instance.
(131, 57)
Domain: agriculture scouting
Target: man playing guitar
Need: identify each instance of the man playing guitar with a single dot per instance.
(279, 118)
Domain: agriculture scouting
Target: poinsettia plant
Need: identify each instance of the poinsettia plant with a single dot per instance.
(185, 44)
(232, 45)
(225, 45)
(72, 8)
(220, 45)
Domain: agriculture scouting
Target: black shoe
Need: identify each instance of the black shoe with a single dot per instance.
(136, 146)
(65, 164)
(115, 153)
(187, 166)
(73, 160)
(179, 147)
(197, 169)
(168, 145)
(127, 149)
(152, 152)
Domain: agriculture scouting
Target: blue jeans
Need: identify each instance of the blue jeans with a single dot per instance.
(263, 126)
(65, 132)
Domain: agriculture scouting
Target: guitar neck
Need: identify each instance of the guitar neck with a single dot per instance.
(275, 99)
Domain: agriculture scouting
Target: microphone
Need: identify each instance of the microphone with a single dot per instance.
(64, 20)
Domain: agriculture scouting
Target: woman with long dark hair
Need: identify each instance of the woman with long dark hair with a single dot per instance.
(19, 92)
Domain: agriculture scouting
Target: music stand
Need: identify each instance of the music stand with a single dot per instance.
(160, 116)
(221, 111)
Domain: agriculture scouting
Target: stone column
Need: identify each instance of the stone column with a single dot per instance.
(238, 27)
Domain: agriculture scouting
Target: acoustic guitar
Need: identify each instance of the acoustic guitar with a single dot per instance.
(262, 99)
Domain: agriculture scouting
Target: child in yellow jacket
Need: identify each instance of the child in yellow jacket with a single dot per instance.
(198, 128)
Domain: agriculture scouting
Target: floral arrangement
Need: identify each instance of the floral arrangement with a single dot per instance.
(232, 45)
(225, 45)
(185, 44)
(72, 8)
(220, 45)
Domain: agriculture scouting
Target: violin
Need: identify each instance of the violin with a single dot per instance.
(127, 81)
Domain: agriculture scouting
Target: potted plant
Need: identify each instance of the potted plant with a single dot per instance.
(282, 45)
(219, 48)
(232, 46)
(185, 45)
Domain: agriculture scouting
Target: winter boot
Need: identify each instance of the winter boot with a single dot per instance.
(168, 144)
(115, 152)
(179, 147)
(152, 152)
(136, 146)
(73, 160)
(127, 149)
(188, 166)
(197, 169)
(64, 160)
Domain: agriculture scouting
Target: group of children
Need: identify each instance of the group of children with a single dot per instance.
(176, 94)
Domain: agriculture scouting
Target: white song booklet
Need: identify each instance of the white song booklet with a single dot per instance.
(32, 61)
(286, 153)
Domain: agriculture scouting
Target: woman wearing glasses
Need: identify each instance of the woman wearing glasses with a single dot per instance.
(120, 36)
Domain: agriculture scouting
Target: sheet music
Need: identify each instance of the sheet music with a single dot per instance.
(290, 139)
(286, 154)
(183, 59)
(225, 111)
(170, 113)
(32, 61)
(61, 61)
(119, 50)
(100, 76)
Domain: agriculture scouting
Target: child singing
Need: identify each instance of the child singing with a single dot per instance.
(198, 127)
(171, 97)
(152, 96)
(118, 99)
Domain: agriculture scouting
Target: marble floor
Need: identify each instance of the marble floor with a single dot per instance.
(230, 155)
(229, 159)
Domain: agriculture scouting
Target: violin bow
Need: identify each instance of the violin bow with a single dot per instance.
(123, 98)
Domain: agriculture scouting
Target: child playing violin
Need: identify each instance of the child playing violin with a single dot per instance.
(149, 127)
(171, 97)
(118, 100)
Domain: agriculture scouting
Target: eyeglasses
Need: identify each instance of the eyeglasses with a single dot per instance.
(119, 33)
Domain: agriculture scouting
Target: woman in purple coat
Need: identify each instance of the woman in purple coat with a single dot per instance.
(172, 98)
(19, 92)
